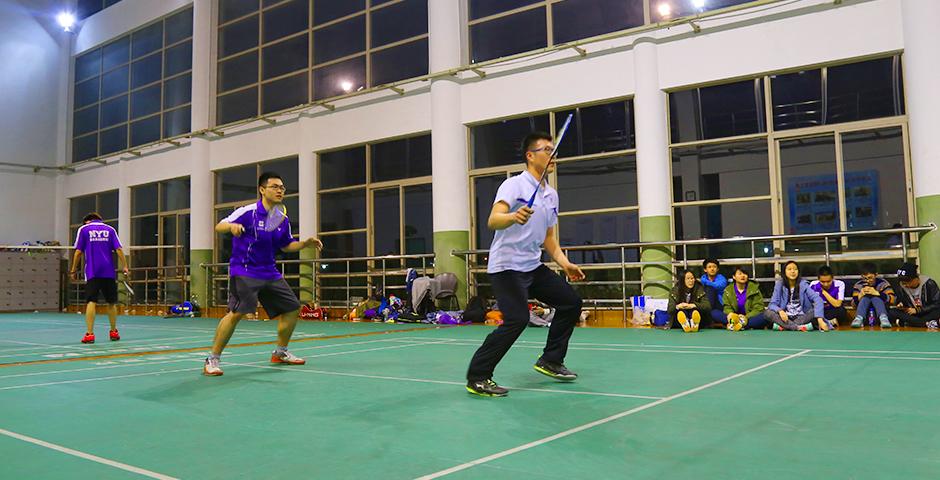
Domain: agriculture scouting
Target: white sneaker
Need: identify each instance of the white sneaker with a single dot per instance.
(286, 357)
(212, 368)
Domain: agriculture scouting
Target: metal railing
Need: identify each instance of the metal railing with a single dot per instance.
(678, 251)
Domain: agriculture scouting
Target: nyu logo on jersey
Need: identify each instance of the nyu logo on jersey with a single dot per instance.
(99, 235)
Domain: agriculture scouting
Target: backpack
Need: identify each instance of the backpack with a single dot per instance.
(475, 311)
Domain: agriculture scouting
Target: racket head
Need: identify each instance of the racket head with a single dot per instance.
(127, 287)
(275, 218)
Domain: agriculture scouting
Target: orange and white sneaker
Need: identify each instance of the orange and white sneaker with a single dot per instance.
(283, 356)
(88, 338)
(114, 335)
(212, 368)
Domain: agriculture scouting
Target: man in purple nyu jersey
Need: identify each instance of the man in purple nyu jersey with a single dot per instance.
(258, 234)
(96, 242)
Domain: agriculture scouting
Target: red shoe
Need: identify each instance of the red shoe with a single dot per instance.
(115, 336)
(88, 338)
(286, 357)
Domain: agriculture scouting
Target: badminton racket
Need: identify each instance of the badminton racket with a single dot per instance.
(560, 137)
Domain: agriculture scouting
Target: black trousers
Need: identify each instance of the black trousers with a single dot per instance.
(908, 320)
(836, 313)
(512, 290)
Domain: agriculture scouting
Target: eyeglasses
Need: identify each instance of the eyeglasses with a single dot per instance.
(548, 149)
(279, 188)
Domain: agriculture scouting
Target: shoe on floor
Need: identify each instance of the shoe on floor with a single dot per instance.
(114, 335)
(684, 322)
(857, 322)
(486, 388)
(885, 323)
(557, 371)
(806, 327)
(285, 357)
(88, 338)
(212, 368)
(696, 320)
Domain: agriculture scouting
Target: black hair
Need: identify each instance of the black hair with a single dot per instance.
(742, 270)
(91, 216)
(824, 270)
(711, 260)
(263, 179)
(869, 267)
(529, 141)
(683, 290)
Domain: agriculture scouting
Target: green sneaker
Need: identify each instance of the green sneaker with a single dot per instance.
(486, 388)
(555, 370)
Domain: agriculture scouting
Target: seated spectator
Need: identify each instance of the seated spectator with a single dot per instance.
(715, 284)
(794, 305)
(832, 292)
(743, 303)
(687, 301)
(872, 292)
(918, 300)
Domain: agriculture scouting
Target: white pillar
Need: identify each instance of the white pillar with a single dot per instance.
(307, 216)
(202, 221)
(448, 141)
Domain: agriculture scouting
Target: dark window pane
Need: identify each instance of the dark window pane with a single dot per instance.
(114, 112)
(485, 8)
(597, 129)
(238, 36)
(419, 219)
(576, 19)
(284, 93)
(386, 234)
(719, 111)
(405, 158)
(284, 20)
(145, 131)
(339, 40)
(79, 207)
(713, 172)
(84, 148)
(238, 72)
(339, 78)
(875, 183)
(144, 232)
(84, 121)
(342, 210)
(797, 99)
(285, 57)
(146, 71)
(508, 35)
(499, 143)
(88, 65)
(237, 106)
(175, 195)
(326, 10)
(863, 90)
(114, 82)
(682, 9)
(724, 221)
(808, 177)
(178, 59)
(147, 40)
(86, 92)
(287, 169)
(108, 204)
(145, 102)
(598, 229)
(113, 140)
(484, 193)
(342, 168)
(236, 184)
(179, 26)
(87, 8)
(176, 122)
(177, 91)
(232, 9)
(343, 246)
(398, 63)
(400, 21)
(116, 53)
(600, 183)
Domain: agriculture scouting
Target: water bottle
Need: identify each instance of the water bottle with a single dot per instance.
(871, 317)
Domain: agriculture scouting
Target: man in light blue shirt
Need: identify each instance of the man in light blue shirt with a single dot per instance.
(516, 271)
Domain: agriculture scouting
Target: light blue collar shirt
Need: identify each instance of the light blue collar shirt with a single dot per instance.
(519, 247)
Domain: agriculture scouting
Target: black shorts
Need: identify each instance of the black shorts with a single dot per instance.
(275, 295)
(96, 286)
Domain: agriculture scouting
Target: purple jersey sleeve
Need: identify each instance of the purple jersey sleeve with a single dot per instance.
(286, 237)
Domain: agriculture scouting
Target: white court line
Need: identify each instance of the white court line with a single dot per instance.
(86, 456)
(445, 382)
(609, 419)
(131, 325)
(874, 357)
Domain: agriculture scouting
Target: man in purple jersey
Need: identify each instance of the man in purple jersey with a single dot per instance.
(96, 242)
(254, 275)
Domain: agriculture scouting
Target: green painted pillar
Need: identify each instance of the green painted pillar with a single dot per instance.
(444, 243)
(198, 281)
(928, 211)
(308, 275)
(656, 278)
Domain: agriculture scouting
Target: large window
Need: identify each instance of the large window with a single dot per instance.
(236, 187)
(375, 199)
(160, 221)
(274, 55)
(134, 90)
